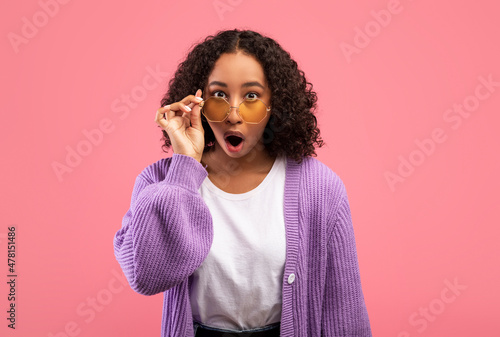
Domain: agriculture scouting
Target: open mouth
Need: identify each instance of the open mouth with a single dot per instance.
(234, 140)
(234, 143)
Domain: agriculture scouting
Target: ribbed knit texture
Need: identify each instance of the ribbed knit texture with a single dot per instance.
(167, 233)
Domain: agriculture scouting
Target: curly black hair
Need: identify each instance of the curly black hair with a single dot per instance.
(292, 127)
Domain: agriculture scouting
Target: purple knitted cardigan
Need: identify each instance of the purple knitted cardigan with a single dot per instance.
(167, 233)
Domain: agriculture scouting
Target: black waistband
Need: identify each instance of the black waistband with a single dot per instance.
(203, 332)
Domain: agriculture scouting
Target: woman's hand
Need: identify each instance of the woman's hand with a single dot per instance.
(182, 122)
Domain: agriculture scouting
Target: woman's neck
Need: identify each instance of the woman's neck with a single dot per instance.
(257, 160)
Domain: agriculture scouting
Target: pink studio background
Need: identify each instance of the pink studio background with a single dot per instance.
(437, 225)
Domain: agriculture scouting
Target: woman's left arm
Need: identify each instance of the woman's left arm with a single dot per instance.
(344, 310)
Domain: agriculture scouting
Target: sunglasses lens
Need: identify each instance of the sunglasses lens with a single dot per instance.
(252, 110)
(215, 109)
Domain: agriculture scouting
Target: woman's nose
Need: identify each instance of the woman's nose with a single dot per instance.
(234, 116)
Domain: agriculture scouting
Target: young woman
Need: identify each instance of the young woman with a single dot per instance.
(243, 231)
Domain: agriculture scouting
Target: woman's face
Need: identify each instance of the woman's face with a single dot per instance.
(235, 77)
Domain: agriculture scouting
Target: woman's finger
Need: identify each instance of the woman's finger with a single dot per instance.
(196, 115)
(190, 100)
(160, 118)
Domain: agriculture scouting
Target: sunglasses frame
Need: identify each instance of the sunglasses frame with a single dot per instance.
(202, 103)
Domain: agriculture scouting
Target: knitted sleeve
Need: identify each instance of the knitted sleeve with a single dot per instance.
(344, 310)
(167, 231)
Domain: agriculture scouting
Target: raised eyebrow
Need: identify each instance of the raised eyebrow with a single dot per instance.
(244, 85)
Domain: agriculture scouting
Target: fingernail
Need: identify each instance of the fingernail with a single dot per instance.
(167, 106)
(199, 99)
(189, 109)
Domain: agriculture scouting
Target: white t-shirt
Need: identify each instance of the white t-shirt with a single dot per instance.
(238, 286)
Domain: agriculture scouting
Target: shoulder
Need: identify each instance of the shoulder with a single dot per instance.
(156, 171)
(322, 183)
(179, 170)
(317, 174)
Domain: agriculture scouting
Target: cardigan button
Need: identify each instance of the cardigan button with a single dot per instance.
(291, 278)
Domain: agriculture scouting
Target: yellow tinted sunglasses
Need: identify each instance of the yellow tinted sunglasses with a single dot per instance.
(251, 110)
